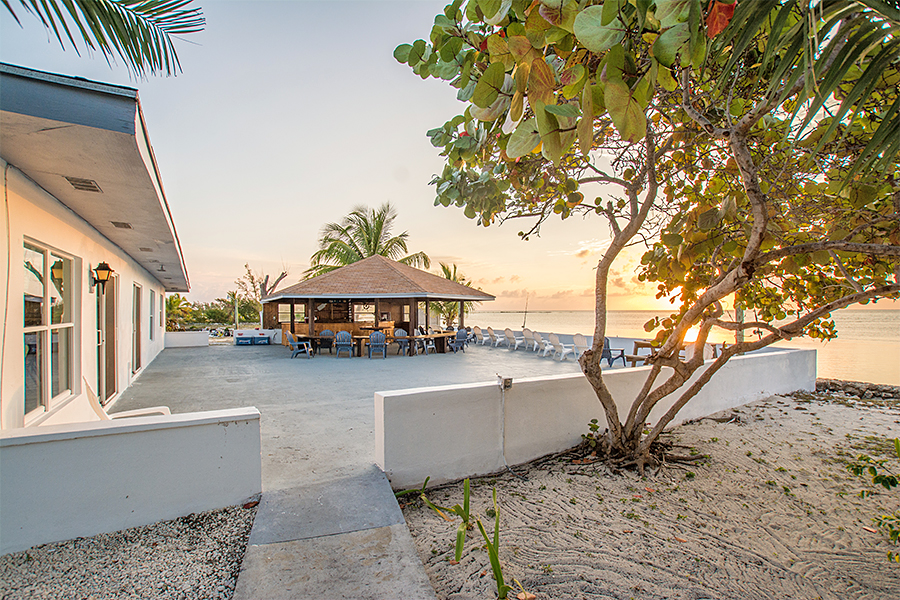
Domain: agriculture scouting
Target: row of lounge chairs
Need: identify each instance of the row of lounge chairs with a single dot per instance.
(534, 341)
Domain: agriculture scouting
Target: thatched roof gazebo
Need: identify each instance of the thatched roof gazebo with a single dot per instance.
(375, 292)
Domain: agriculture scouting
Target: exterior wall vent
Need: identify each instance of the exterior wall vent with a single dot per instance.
(84, 185)
(121, 225)
(146, 249)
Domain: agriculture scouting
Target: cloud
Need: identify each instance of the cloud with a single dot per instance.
(514, 279)
(562, 294)
(520, 293)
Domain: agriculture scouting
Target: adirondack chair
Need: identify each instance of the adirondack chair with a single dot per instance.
(581, 344)
(513, 341)
(303, 347)
(559, 348)
(495, 339)
(402, 345)
(479, 336)
(425, 344)
(377, 344)
(608, 353)
(541, 345)
(460, 341)
(343, 342)
(326, 340)
(528, 335)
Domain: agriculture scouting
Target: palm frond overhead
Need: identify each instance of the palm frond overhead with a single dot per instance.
(364, 232)
(812, 58)
(138, 31)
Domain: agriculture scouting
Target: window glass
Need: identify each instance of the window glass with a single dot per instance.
(61, 344)
(152, 311)
(33, 366)
(284, 313)
(34, 286)
(49, 325)
(364, 313)
(60, 293)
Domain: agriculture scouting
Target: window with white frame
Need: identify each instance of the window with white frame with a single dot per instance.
(49, 327)
(152, 313)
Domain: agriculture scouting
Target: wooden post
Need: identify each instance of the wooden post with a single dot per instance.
(427, 315)
(311, 315)
(292, 317)
(413, 315)
(377, 314)
(462, 314)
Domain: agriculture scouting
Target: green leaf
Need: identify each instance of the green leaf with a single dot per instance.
(401, 52)
(548, 127)
(708, 219)
(416, 53)
(610, 12)
(563, 110)
(586, 123)
(672, 240)
(488, 87)
(595, 36)
(499, 51)
(665, 80)
(673, 41)
(672, 12)
(626, 113)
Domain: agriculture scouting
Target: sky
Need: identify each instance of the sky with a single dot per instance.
(289, 114)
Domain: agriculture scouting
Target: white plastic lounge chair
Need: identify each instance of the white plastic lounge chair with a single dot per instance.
(529, 338)
(581, 345)
(512, 340)
(104, 416)
(479, 335)
(495, 340)
(541, 345)
(560, 348)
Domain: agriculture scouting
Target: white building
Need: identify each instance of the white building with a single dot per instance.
(81, 187)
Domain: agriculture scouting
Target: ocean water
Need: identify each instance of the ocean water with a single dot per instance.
(867, 347)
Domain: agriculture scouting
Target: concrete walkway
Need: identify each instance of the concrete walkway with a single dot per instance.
(328, 524)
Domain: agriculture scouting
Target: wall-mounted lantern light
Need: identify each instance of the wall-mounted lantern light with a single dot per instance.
(100, 275)
(56, 271)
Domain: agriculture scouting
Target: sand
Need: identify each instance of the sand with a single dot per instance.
(772, 513)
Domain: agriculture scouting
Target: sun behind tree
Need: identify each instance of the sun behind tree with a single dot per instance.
(363, 233)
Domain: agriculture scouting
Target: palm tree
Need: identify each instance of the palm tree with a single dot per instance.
(449, 311)
(363, 233)
(178, 311)
(139, 31)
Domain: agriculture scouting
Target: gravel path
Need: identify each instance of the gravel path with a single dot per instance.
(193, 557)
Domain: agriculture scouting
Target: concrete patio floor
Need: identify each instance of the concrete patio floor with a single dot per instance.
(328, 525)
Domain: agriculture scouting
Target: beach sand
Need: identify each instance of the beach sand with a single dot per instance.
(772, 513)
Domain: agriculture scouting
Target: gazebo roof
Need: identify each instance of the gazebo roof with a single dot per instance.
(377, 277)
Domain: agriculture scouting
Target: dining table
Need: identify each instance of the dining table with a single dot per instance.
(440, 340)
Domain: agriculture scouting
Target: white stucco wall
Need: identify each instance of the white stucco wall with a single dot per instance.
(30, 212)
(450, 432)
(67, 481)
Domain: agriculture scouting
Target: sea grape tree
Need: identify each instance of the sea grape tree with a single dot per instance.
(752, 145)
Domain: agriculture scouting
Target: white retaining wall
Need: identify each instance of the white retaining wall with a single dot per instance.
(66, 481)
(187, 339)
(451, 432)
